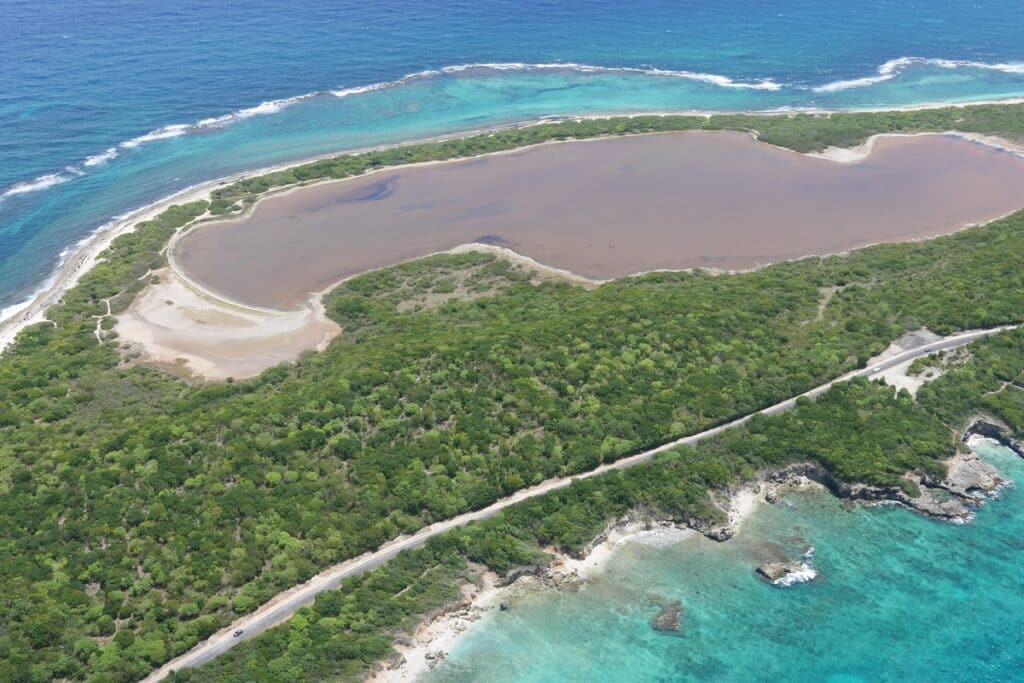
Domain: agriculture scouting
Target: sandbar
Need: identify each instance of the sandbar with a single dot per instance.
(173, 324)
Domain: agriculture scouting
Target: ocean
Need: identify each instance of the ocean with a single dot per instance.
(897, 597)
(108, 106)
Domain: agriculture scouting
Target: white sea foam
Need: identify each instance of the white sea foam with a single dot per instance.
(66, 253)
(35, 185)
(359, 90)
(803, 575)
(408, 78)
(885, 72)
(102, 158)
(14, 309)
(836, 86)
(262, 109)
(62, 258)
(163, 133)
(894, 67)
(715, 79)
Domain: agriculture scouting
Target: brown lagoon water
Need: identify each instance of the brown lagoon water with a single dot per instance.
(608, 208)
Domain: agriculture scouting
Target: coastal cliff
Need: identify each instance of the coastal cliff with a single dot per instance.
(993, 428)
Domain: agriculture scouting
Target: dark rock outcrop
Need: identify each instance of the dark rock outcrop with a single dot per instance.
(773, 571)
(669, 618)
(714, 532)
(952, 499)
(518, 572)
(992, 428)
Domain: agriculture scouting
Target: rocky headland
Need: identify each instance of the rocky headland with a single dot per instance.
(969, 481)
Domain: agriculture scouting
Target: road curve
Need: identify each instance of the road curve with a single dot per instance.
(283, 605)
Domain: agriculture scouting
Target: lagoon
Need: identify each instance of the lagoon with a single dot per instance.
(606, 209)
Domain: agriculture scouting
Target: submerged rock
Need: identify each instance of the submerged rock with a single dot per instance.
(773, 571)
(669, 618)
(787, 573)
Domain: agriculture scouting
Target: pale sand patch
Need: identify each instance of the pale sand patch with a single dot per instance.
(177, 322)
(172, 323)
(743, 504)
(858, 153)
(898, 375)
(515, 257)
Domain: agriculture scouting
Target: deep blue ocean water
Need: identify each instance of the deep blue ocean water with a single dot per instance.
(108, 106)
(897, 598)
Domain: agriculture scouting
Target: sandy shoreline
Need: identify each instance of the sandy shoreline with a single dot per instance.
(854, 155)
(86, 252)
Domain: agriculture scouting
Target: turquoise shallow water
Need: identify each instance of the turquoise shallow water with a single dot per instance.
(108, 106)
(898, 598)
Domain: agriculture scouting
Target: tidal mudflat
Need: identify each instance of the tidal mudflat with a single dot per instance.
(608, 208)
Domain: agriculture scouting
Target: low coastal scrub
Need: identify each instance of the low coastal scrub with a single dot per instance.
(139, 513)
(346, 632)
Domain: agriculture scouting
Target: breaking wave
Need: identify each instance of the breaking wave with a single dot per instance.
(804, 574)
(894, 67)
(35, 185)
(885, 72)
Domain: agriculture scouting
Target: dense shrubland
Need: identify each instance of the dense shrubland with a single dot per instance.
(854, 428)
(139, 513)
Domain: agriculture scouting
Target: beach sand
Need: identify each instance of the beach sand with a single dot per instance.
(173, 324)
(609, 208)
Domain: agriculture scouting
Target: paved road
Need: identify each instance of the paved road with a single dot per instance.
(281, 607)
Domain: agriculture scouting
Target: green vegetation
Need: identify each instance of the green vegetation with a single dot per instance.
(989, 381)
(139, 513)
(849, 430)
(350, 629)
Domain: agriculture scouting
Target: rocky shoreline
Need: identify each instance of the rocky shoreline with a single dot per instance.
(995, 429)
(969, 482)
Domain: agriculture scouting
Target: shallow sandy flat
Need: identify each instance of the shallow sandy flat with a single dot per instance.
(172, 324)
(608, 208)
